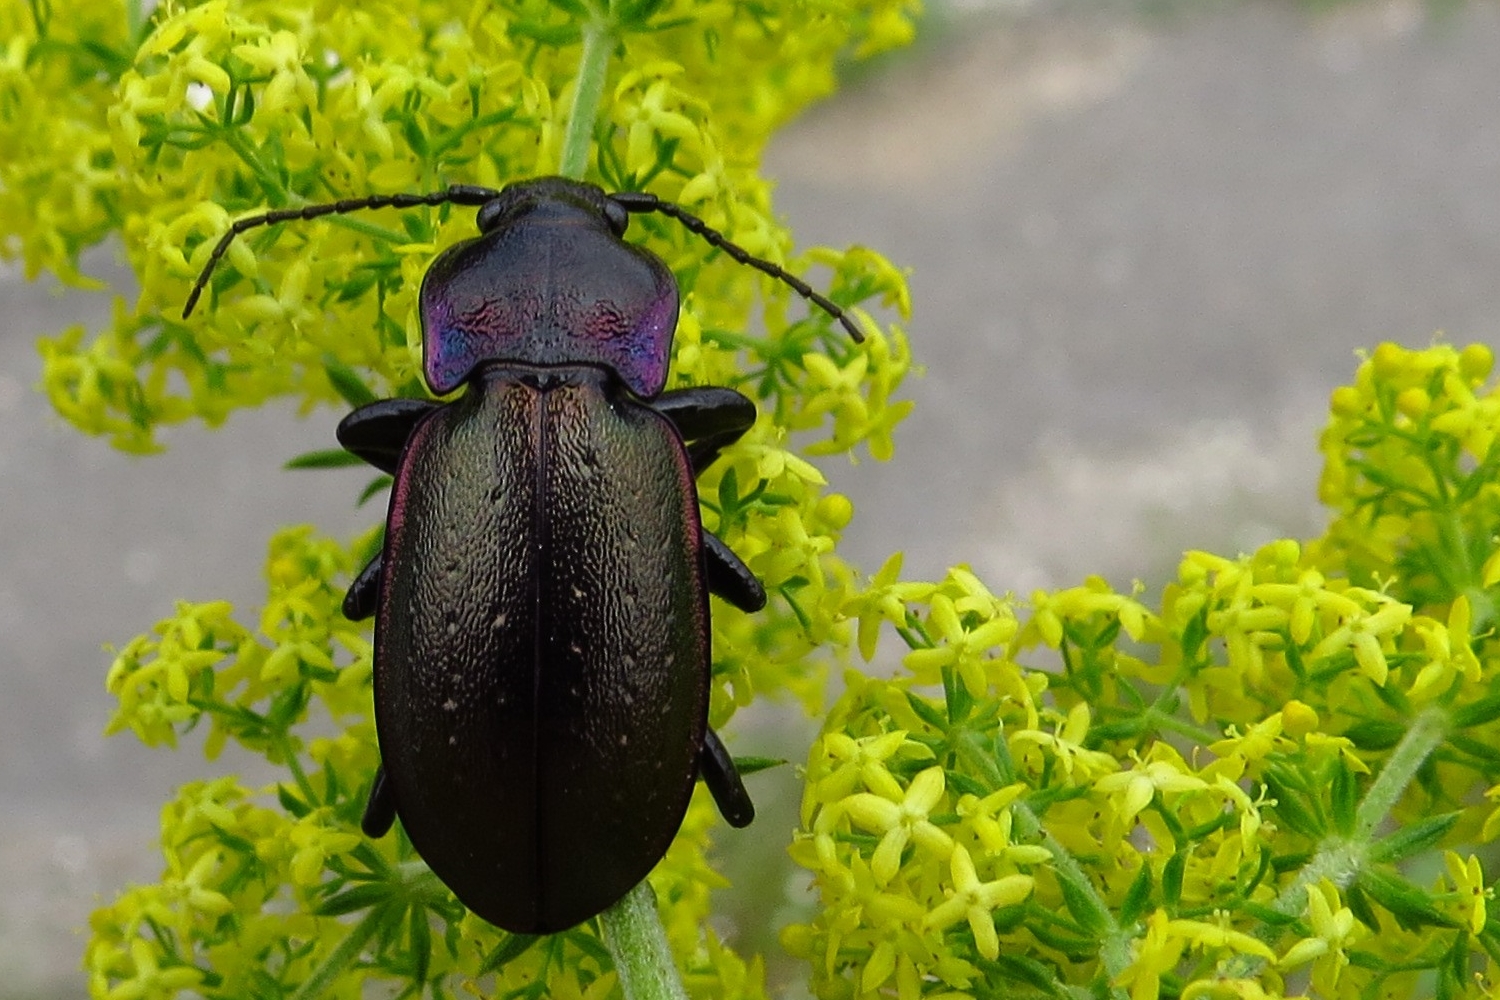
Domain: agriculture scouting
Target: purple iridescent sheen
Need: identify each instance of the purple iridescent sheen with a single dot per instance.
(550, 285)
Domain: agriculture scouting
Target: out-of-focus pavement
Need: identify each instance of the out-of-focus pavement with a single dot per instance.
(1143, 250)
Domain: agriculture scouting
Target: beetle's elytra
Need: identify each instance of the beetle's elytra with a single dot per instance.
(541, 602)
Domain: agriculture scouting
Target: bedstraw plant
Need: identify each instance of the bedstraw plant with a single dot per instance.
(1277, 777)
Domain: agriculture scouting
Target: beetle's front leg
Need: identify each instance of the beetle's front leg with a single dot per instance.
(717, 769)
(377, 433)
(709, 418)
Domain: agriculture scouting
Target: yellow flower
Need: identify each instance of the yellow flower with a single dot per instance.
(1333, 928)
(1152, 956)
(964, 649)
(975, 900)
(901, 822)
(1469, 885)
(1133, 790)
(1366, 633)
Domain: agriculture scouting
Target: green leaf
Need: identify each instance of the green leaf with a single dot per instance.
(927, 711)
(290, 802)
(1376, 734)
(360, 897)
(1477, 714)
(1413, 839)
(373, 489)
(347, 384)
(1084, 908)
(749, 765)
(1171, 876)
(421, 942)
(1345, 793)
(330, 458)
(1290, 808)
(1359, 904)
(1409, 903)
(1038, 976)
(512, 947)
(1138, 896)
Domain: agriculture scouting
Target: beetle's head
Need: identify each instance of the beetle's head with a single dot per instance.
(556, 197)
(549, 281)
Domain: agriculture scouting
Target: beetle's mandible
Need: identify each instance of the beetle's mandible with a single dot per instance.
(541, 608)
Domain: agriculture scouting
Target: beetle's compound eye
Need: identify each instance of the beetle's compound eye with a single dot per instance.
(490, 214)
(616, 215)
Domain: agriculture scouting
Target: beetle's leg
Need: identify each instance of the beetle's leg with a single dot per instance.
(709, 418)
(717, 769)
(728, 576)
(378, 432)
(359, 602)
(380, 811)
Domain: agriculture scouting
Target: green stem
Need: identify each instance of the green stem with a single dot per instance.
(1427, 732)
(588, 90)
(341, 957)
(1340, 859)
(638, 943)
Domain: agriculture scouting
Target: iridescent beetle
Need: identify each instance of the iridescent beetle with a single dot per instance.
(541, 603)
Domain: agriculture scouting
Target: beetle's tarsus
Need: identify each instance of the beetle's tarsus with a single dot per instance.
(380, 810)
(717, 769)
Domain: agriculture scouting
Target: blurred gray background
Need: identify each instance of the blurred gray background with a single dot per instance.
(1145, 241)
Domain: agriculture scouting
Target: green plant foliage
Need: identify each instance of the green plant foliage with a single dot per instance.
(1269, 782)
(1272, 779)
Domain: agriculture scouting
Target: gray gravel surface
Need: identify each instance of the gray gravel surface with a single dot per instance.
(1143, 250)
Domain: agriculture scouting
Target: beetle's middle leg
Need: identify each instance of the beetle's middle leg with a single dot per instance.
(377, 433)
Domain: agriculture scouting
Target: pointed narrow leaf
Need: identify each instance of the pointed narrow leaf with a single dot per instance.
(347, 384)
(330, 458)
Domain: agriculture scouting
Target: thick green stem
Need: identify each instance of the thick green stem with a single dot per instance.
(588, 89)
(1426, 734)
(1340, 859)
(632, 927)
(638, 943)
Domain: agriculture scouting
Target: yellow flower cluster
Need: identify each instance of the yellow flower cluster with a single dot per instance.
(162, 131)
(225, 107)
(1239, 792)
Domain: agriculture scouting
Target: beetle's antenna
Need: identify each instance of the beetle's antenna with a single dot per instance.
(456, 194)
(640, 201)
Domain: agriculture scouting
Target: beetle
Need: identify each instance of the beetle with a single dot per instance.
(541, 609)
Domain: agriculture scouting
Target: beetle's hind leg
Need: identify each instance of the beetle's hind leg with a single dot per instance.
(717, 769)
(380, 810)
(359, 601)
